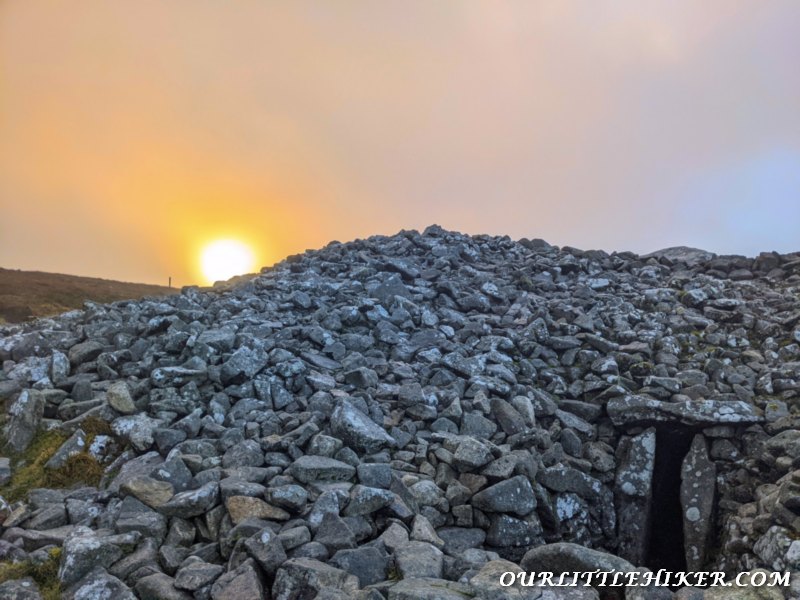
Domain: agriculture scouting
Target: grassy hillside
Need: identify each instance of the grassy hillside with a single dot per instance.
(29, 294)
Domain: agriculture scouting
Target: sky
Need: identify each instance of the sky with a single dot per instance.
(132, 134)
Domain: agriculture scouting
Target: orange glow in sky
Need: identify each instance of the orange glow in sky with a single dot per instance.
(222, 259)
(134, 133)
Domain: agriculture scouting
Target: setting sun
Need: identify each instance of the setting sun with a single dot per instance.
(223, 259)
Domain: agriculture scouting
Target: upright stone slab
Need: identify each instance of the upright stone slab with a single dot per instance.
(633, 494)
(26, 415)
(698, 486)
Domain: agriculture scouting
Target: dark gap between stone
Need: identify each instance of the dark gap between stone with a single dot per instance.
(666, 545)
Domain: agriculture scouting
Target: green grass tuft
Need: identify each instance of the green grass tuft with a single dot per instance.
(44, 574)
(28, 471)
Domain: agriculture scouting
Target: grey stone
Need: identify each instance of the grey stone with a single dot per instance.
(137, 429)
(241, 508)
(5, 470)
(72, 447)
(299, 577)
(377, 475)
(177, 376)
(244, 454)
(459, 539)
(267, 550)
(565, 557)
(633, 494)
(423, 531)
(510, 420)
(428, 588)
(365, 500)
(357, 430)
(242, 583)
(136, 466)
(307, 469)
(119, 398)
(698, 487)
(26, 415)
(486, 583)
(136, 516)
(368, 564)
(513, 496)
(84, 352)
(192, 503)
(20, 589)
(84, 550)
(418, 559)
(334, 533)
(566, 479)
(290, 497)
(507, 531)
(159, 586)
(638, 410)
(243, 364)
(100, 585)
(472, 454)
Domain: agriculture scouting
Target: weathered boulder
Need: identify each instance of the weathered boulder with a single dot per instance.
(26, 415)
(301, 576)
(357, 430)
(83, 550)
(513, 496)
(20, 589)
(563, 557)
(119, 398)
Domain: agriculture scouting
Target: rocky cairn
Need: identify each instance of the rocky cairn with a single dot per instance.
(410, 417)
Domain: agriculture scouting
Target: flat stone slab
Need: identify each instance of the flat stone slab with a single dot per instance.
(639, 410)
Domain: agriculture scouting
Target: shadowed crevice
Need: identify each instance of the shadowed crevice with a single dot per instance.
(666, 546)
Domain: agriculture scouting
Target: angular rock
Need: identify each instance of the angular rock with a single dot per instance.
(196, 575)
(357, 430)
(150, 491)
(243, 364)
(506, 531)
(299, 577)
(192, 503)
(100, 585)
(84, 352)
(242, 583)
(137, 429)
(26, 414)
(513, 496)
(72, 447)
(159, 586)
(84, 550)
(368, 564)
(366, 500)
(472, 454)
(427, 588)
(418, 559)
(119, 398)
(241, 508)
(267, 550)
(564, 557)
(20, 589)
(307, 469)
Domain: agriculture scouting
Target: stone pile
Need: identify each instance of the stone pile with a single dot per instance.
(410, 417)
